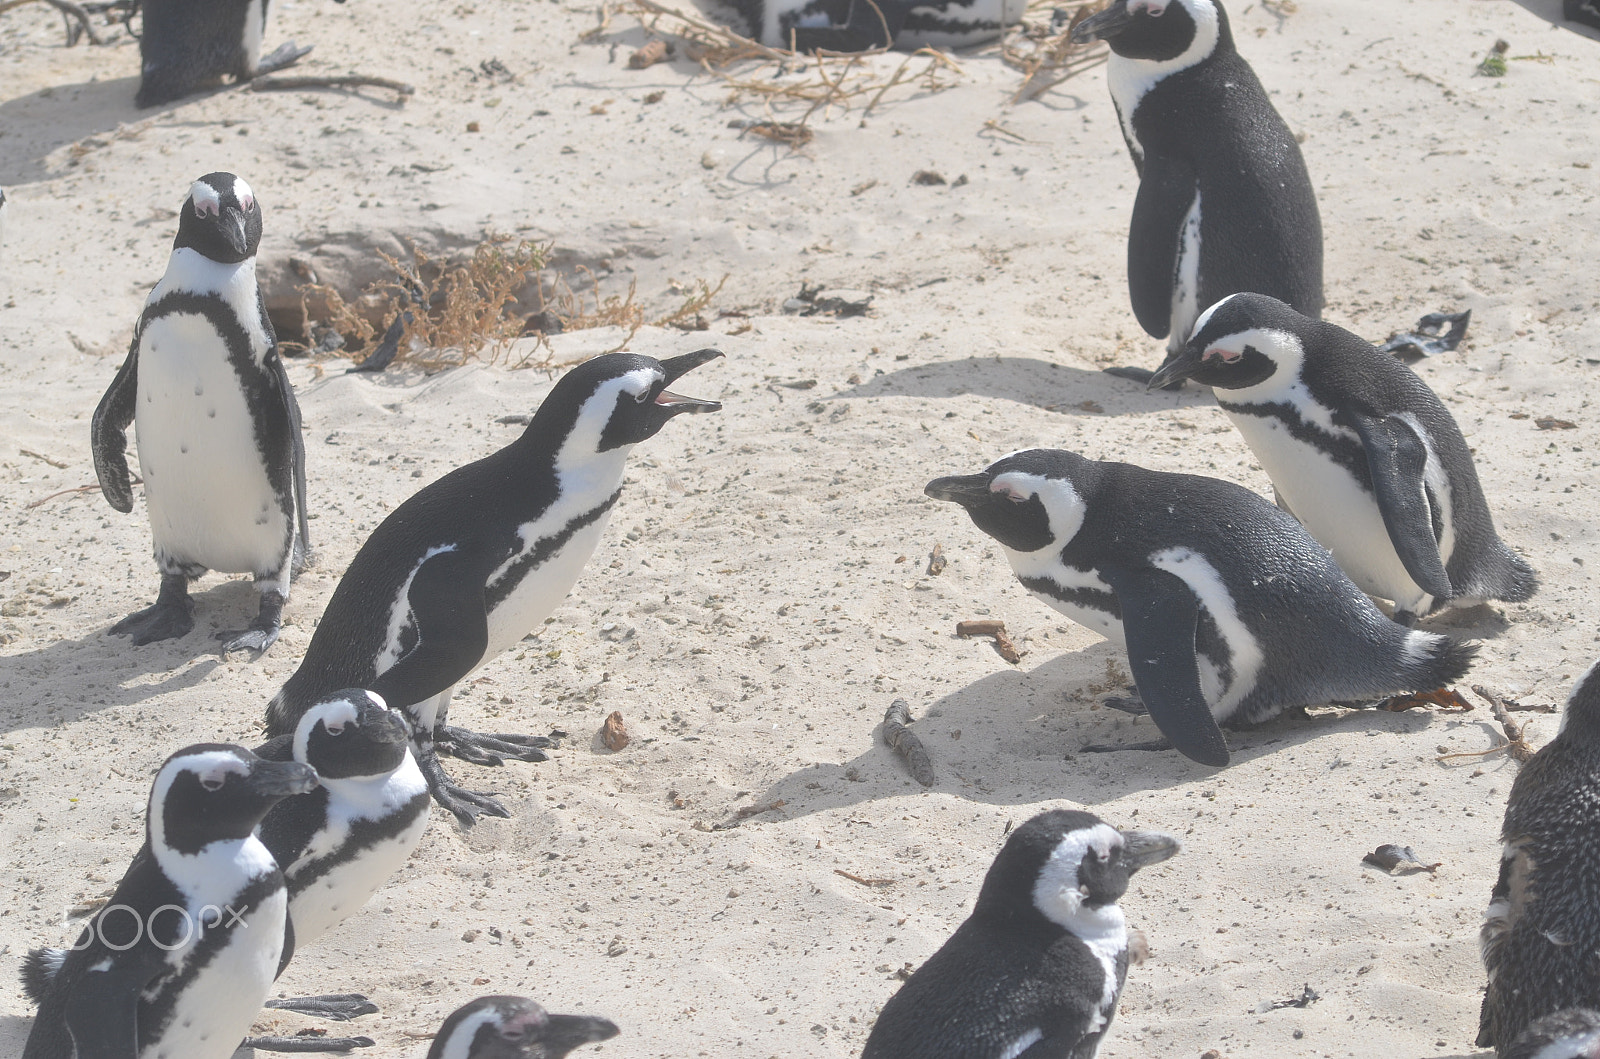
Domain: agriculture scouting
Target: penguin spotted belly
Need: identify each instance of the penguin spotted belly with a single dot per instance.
(541, 589)
(341, 891)
(209, 499)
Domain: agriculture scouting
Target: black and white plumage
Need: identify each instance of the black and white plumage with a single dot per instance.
(1360, 450)
(1228, 610)
(1224, 202)
(217, 423)
(1037, 969)
(514, 1027)
(470, 564)
(178, 962)
(1570, 1034)
(187, 45)
(862, 25)
(1542, 928)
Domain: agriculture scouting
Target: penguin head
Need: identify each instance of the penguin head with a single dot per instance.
(514, 1027)
(1582, 716)
(1179, 32)
(352, 734)
(612, 403)
(1027, 501)
(1068, 866)
(221, 219)
(1572, 1033)
(215, 792)
(1243, 341)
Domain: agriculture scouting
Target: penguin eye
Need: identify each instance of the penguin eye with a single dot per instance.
(212, 783)
(511, 1033)
(335, 729)
(247, 203)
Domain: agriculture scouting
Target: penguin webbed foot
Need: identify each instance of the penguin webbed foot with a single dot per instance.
(262, 633)
(307, 1044)
(466, 805)
(1099, 748)
(169, 617)
(281, 57)
(486, 749)
(335, 1007)
(1126, 704)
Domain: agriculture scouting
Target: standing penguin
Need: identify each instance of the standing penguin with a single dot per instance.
(514, 1027)
(1039, 965)
(189, 44)
(862, 25)
(1360, 450)
(1224, 202)
(180, 959)
(472, 563)
(218, 426)
(1229, 612)
(1542, 929)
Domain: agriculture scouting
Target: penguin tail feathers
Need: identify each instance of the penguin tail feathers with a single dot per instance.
(1438, 661)
(1517, 582)
(39, 969)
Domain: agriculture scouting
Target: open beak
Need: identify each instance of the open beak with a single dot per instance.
(280, 779)
(675, 369)
(1144, 848)
(1175, 370)
(967, 490)
(1105, 25)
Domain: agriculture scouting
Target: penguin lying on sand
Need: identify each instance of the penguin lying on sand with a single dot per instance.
(217, 423)
(1228, 610)
(514, 1027)
(337, 845)
(1037, 969)
(1570, 1034)
(865, 25)
(1542, 928)
(187, 45)
(1360, 450)
(1224, 202)
(178, 962)
(472, 563)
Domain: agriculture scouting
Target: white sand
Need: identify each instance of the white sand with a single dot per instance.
(749, 612)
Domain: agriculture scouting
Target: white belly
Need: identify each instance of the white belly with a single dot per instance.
(209, 1023)
(209, 499)
(1097, 620)
(1334, 509)
(1186, 280)
(542, 589)
(340, 893)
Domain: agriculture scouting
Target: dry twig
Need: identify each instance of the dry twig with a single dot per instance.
(899, 736)
(1041, 46)
(853, 877)
(66, 7)
(996, 629)
(1515, 743)
(284, 84)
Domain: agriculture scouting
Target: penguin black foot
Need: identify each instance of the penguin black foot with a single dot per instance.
(1154, 744)
(171, 616)
(1127, 704)
(336, 1007)
(262, 633)
(482, 749)
(284, 55)
(466, 805)
(1143, 376)
(310, 1043)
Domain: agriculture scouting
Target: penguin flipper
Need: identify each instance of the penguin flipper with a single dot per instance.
(102, 1013)
(1397, 457)
(452, 624)
(1159, 617)
(291, 410)
(108, 433)
(1167, 188)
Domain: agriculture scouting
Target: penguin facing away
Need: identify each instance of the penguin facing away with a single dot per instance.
(1038, 967)
(514, 1027)
(217, 424)
(864, 25)
(1229, 612)
(1224, 202)
(180, 959)
(1542, 927)
(1360, 450)
(187, 45)
(473, 562)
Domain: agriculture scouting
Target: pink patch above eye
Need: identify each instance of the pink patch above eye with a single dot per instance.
(247, 203)
(1228, 356)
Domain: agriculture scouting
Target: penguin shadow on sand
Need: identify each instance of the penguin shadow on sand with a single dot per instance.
(1017, 735)
(1553, 12)
(1041, 383)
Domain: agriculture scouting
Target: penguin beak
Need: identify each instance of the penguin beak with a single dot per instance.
(233, 230)
(1107, 24)
(1177, 369)
(562, 1033)
(1140, 849)
(968, 490)
(280, 779)
(675, 369)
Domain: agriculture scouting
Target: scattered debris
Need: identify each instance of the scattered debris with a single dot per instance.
(286, 84)
(1041, 46)
(809, 303)
(90, 488)
(1307, 997)
(1494, 64)
(1448, 700)
(989, 627)
(928, 178)
(792, 133)
(747, 812)
(899, 736)
(1549, 423)
(1435, 333)
(936, 561)
(1391, 857)
(1515, 744)
(1138, 948)
(614, 734)
(62, 464)
(83, 28)
(864, 882)
(653, 52)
